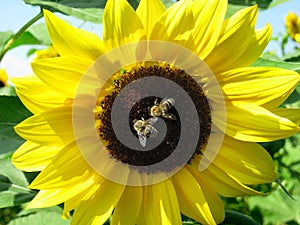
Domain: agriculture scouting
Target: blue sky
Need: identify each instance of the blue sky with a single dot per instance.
(15, 13)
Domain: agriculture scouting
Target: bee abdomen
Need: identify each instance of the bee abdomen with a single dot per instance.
(150, 131)
(168, 104)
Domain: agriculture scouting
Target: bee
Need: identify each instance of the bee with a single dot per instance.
(145, 129)
(162, 108)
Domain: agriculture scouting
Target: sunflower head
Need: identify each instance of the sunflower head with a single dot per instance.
(129, 130)
(100, 147)
(292, 23)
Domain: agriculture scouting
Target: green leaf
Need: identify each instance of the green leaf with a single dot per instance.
(25, 39)
(261, 3)
(277, 2)
(278, 207)
(293, 100)
(13, 185)
(8, 91)
(40, 32)
(232, 9)
(4, 36)
(14, 175)
(168, 3)
(134, 3)
(12, 112)
(274, 63)
(8, 145)
(47, 216)
(271, 56)
(298, 90)
(273, 146)
(87, 10)
(291, 158)
(292, 56)
(188, 221)
(31, 52)
(35, 35)
(236, 218)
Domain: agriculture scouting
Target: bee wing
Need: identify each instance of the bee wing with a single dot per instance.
(152, 120)
(142, 138)
(154, 132)
(169, 116)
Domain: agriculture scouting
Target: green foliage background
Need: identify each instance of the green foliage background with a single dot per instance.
(276, 208)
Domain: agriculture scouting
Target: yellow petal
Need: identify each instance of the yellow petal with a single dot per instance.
(49, 52)
(36, 95)
(234, 28)
(259, 85)
(272, 105)
(121, 24)
(241, 21)
(128, 208)
(67, 168)
(53, 127)
(225, 184)
(62, 74)
(213, 199)
(175, 24)
(297, 37)
(84, 195)
(149, 12)
(33, 157)
(192, 199)
(52, 197)
(161, 205)
(250, 122)
(289, 113)
(247, 162)
(257, 45)
(98, 208)
(239, 44)
(82, 190)
(207, 25)
(68, 40)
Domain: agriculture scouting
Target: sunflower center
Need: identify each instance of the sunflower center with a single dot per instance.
(2, 84)
(154, 121)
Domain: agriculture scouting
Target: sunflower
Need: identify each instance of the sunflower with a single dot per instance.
(3, 78)
(101, 151)
(292, 23)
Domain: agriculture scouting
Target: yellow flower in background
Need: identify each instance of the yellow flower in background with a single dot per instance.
(292, 23)
(46, 53)
(3, 78)
(84, 174)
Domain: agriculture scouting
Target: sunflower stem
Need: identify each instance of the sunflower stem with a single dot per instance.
(12, 40)
(277, 181)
